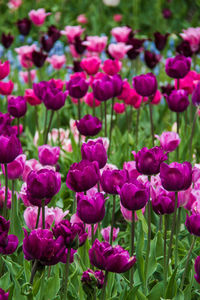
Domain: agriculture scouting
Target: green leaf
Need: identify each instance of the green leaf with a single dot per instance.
(156, 292)
(172, 286)
(143, 220)
(53, 284)
(139, 251)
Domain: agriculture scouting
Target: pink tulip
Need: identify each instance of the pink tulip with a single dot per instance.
(14, 4)
(134, 99)
(4, 69)
(57, 61)
(104, 140)
(117, 18)
(90, 101)
(25, 55)
(38, 16)
(105, 232)
(76, 219)
(67, 145)
(58, 133)
(130, 167)
(31, 98)
(58, 83)
(189, 82)
(169, 140)
(16, 167)
(31, 164)
(24, 75)
(119, 108)
(6, 88)
(72, 32)
(82, 19)
(125, 91)
(73, 51)
(91, 65)
(2, 197)
(111, 67)
(15, 127)
(157, 98)
(121, 34)
(192, 35)
(23, 195)
(186, 198)
(48, 155)
(96, 43)
(119, 50)
(127, 214)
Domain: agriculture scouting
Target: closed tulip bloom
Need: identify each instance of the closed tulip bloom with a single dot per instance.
(178, 67)
(118, 50)
(17, 107)
(82, 176)
(16, 167)
(169, 140)
(134, 195)
(91, 64)
(48, 155)
(197, 269)
(47, 43)
(148, 160)
(8, 243)
(31, 98)
(96, 43)
(117, 84)
(151, 59)
(119, 108)
(196, 95)
(178, 100)
(3, 295)
(131, 169)
(192, 224)
(121, 34)
(54, 33)
(176, 176)
(38, 16)
(184, 48)
(163, 202)
(74, 235)
(4, 69)
(10, 148)
(90, 100)
(40, 89)
(112, 259)
(6, 88)
(72, 32)
(5, 123)
(136, 47)
(24, 26)
(89, 125)
(103, 89)
(111, 67)
(7, 40)
(42, 185)
(111, 180)
(77, 87)
(145, 84)
(54, 98)
(38, 58)
(92, 279)
(94, 151)
(105, 232)
(2, 197)
(91, 210)
(160, 40)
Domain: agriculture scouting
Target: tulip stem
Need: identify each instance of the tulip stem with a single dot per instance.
(103, 295)
(151, 121)
(33, 271)
(18, 128)
(165, 251)
(111, 126)
(192, 134)
(178, 124)
(132, 244)
(105, 119)
(43, 214)
(13, 208)
(49, 126)
(79, 109)
(187, 262)
(137, 127)
(38, 217)
(112, 222)
(6, 192)
(177, 232)
(92, 227)
(36, 119)
(45, 125)
(93, 107)
(67, 273)
(148, 243)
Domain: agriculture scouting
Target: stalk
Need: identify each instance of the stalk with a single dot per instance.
(137, 127)
(103, 295)
(38, 217)
(192, 134)
(178, 124)
(43, 214)
(45, 125)
(151, 121)
(93, 107)
(13, 206)
(148, 243)
(49, 126)
(105, 118)
(33, 271)
(18, 128)
(36, 119)
(6, 192)
(67, 273)
(113, 220)
(165, 251)
(177, 233)
(132, 244)
(111, 126)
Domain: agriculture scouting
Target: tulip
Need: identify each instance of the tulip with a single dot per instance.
(167, 14)
(82, 19)
(31, 98)
(54, 98)
(103, 89)
(17, 106)
(77, 87)
(26, 76)
(189, 82)
(91, 279)
(91, 65)
(111, 67)
(38, 16)
(131, 170)
(2, 198)
(38, 58)
(89, 125)
(145, 84)
(184, 48)
(121, 34)
(169, 141)
(117, 18)
(105, 232)
(178, 67)
(8, 243)
(3, 295)
(7, 40)
(91, 101)
(197, 269)
(178, 101)
(72, 32)
(160, 40)
(151, 59)
(163, 202)
(192, 35)
(57, 61)
(54, 33)
(167, 89)
(48, 155)
(24, 26)
(136, 48)
(96, 43)
(176, 176)
(119, 50)
(47, 43)
(119, 108)
(16, 167)
(94, 151)
(10, 148)
(193, 224)
(82, 176)
(112, 179)
(196, 95)
(6, 88)
(4, 69)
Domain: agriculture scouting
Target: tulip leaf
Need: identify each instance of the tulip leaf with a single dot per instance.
(172, 286)
(156, 292)
(142, 219)
(53, 284)
(139, 253)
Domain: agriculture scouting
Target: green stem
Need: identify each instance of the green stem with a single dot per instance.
(38, 217)
(192, 134)
(13, 207)
(103, 294)
(67, 273)
(92, 227)
(178, 124)
(137, 128)
(79, 109)
(45, 126)
(105, 118)
(49, 126)
(18, 128)
(43, 214)
(36, 119)
(111, 126)
(148, 244)
(165, 251)
(132, 244)
(151, 121)
(177, 233)
(113, 220)
(33, 271)
(6, 192)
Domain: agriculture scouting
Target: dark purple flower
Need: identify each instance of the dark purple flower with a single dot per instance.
(77, 87)
(8, 243)
(111, 180)
(192, 224)
(112, 259)
(47, 43)
(10, 148)
(104, 89)
(178, 66)
(40, 89)
(77, 66)
(82, 176)
(54, 33)
(196, 95)
(94, 151)
(17, 106)
(178, 100)
(166, 13)
(54, 98)
(7, 40)
(38, 58)
(89, 125)
(117, 84)
(78, 44)
(160, 40)
(148, 160)
(167, 89)
(3, 295)
(5, 124)
(145, 84)
(163, 202)
(92, 279)
(151, 59)
(24, 26)
(184, 49)
(176, 176)
(136, 47)
(197, 269)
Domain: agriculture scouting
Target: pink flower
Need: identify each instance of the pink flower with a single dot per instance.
(105, 232)
(169, 140)
(23, 195)
(82, 19)
(130, 167)
(125, 91)
(111, 67)
(192, 35)
(90, 100)
(186, 198)
(133, 99)
(55, 134)
(76, 219)
(96, 43)
(119, 50)
(72, 32)
(57, 61)
(58, 83)
(67, 145)
(2, 197)
(91, 64)
(157, 98)
(104, 140)
(25, 55)
(38, 16)
(48, 155)
(189, 82)
(127, 214)
(119, 108)
(30, 165)
(117, 18)
(121, 34)
(24, 75)
(4, 69)
(31, 97)
(6, 88)
(16, 167)
(15, 127)
(73, 51)
(14, 4)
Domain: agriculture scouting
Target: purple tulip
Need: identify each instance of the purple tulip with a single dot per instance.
(94, 151)
(178, 67)
(5, 124)
(196, 95)
(7, 40)
(54, 33)
(82, 176)
(89, 125)
(105, 232)
(167, 89)
(130, 167)
(54, 98)
(92, 279)
(163, 202)
(38, 58)
(73, 235)
(105, 88)
(151, 59)
(17, 106)
(48, 155)
(111, 180)
(160, 40)
(8, 243)
(40, 89)
(136, 47)
(169, 140)
(10, 148)
(24, 26)
(117, 84)
(112, 259)
(192, 224)
(197, 269)
(176, 176)
(3, 295)
(145, 84)
(148, 160)
(184, 48)
(91, 210)
(77, 87)
(134, 195)
(178, 100)
(16, 167)
(42, 185)
(47, 43)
